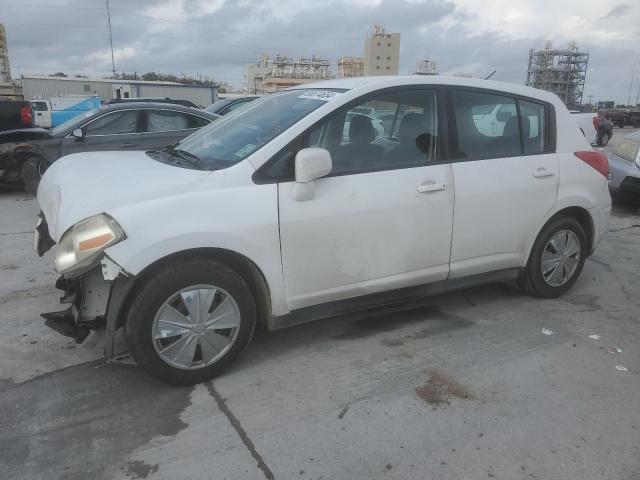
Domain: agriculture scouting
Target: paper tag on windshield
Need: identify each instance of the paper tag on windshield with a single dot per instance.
(324, 95)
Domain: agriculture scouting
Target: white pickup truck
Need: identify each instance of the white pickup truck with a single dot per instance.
(49, 113)
(596, 130)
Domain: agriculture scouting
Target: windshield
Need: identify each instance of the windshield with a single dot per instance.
(72, 122)
(237, 135)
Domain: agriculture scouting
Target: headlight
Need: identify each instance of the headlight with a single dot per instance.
(85, 241)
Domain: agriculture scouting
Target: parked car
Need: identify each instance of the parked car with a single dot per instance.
(173, 101)
(624, 162)
(226, 105)
(126, 126)
(269, 217)
(52, 112)
(15, 114)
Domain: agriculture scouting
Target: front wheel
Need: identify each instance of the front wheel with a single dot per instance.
(190, 321)
(556, 259)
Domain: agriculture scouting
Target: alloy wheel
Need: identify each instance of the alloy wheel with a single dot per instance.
(560, 258)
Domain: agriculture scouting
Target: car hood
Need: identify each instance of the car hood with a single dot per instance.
(84, 184)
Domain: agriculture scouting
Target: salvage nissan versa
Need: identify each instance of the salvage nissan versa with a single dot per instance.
(278, 214)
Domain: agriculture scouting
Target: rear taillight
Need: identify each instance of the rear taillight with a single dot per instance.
(26, 115)
(597, 160)
(596, 122)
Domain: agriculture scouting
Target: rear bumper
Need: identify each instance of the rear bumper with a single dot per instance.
(624, 176)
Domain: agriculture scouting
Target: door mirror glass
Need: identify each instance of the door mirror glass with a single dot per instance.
(503, 117)
(78, 133)
(312, 163)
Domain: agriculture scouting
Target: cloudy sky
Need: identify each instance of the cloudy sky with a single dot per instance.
(218, 38)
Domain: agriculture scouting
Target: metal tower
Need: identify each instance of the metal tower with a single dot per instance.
(5, 70)
(562, 72)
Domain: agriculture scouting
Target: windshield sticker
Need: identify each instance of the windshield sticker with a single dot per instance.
(246, 150)
(324, 95)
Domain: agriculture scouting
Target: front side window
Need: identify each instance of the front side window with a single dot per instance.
(486, 125)
(39, 106)
(233, 138)
(123, 121)
(166, 120)
(388, 131)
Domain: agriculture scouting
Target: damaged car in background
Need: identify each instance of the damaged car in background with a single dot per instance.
(275, 215)
(25, 154)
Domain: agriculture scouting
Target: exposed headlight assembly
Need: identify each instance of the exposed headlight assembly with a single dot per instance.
(83, 243)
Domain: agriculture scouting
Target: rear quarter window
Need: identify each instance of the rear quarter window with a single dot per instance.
(627, 150)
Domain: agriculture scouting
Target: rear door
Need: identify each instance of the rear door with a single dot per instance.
(115, 130)
(505, 182)
(163, 127)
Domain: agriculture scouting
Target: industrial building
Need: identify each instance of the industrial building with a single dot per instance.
(9, 89)
(381, 52)
(350, 67)
(562, 72)
(282, 72)
(46, 87)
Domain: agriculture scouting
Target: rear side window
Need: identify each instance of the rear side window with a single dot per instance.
(166, 120)
(532, 121)
(39, 106)
(486, 124)
(197, 122)
(627, 150)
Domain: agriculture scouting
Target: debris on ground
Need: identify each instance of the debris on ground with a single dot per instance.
(440, 389)
(614, 350)
(622, 368)
(546, 331)
(594, 337)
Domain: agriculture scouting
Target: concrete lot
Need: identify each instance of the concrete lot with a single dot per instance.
(459, 386)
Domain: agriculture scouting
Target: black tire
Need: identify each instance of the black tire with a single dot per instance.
(532, 280)
(157, 289)
(603, 139)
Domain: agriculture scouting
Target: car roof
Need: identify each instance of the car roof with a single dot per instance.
(160, 105)
(383, 81)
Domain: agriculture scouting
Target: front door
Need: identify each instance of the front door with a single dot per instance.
(382, 219)
(506, 181)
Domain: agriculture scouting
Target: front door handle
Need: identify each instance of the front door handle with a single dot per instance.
(431, 187)
(542, 172)
(128, 145)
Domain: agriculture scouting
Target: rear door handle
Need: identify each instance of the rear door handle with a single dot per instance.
(128, 145)
(431, 187)
(542, 172)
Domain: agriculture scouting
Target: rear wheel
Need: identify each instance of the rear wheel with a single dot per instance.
(603, 139)
(556, 259)
(190, 321)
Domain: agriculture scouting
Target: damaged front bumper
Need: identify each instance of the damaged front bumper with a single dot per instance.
(95, 296)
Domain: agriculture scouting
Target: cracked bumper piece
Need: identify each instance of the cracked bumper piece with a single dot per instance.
(96, 300)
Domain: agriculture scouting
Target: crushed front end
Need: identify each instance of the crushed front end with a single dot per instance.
(94, 289)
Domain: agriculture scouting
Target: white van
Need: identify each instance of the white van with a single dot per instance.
(49, 113)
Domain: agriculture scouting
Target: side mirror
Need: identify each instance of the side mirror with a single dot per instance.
(78, 133)
(310, 164)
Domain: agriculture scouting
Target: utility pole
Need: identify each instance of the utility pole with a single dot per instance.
(113, 63)
(633, 75)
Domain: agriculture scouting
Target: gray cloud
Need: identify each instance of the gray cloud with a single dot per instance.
(617, 11)
(222, 43)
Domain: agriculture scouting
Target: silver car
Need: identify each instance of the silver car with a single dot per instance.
(624, 169)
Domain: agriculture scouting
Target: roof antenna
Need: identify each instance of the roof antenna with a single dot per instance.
(490, 75)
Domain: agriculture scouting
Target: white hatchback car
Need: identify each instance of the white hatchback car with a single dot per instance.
(271, 216)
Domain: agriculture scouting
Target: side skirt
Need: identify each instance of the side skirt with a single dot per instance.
(349, 305)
